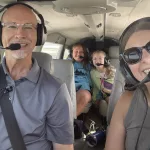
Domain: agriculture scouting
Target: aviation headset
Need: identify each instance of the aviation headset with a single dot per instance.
(106, 61)
(129, 77)
(78, 44)
(106, 58)
(41, 28)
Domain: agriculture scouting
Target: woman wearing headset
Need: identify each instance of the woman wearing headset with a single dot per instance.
(130, 124)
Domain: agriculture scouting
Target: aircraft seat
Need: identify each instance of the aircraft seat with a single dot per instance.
(64, 70)
(113, 54)
(43, 59)
(118, 86)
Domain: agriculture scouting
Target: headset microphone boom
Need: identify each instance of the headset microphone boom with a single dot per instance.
(13, 47)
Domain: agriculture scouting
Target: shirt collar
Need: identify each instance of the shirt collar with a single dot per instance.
(33, 74)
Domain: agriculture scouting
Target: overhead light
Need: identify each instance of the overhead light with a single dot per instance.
(99, 25)
(87, 25)
(115, 14)
(71, 15)
(66, 10)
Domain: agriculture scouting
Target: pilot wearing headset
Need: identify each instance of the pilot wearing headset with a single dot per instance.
(41, 104)
(130, 124)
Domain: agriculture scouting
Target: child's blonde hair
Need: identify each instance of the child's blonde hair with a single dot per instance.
(109, 68)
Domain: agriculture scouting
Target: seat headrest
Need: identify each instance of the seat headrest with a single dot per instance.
(43, 59)
(114, 52)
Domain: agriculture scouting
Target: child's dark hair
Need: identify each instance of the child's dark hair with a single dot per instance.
(86, 58)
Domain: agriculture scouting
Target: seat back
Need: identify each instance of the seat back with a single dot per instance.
(114, 56)
(43, 59)
(64, 70)
(118, 86)
(114, 61)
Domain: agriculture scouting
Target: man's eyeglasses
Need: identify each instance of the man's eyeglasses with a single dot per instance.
(14, 26)
(134, 54)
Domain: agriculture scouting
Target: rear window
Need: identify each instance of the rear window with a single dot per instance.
(52, 48)
(66, 53)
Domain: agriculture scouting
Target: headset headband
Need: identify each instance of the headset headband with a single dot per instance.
(36, 12)
(143, 23)
(41, 27)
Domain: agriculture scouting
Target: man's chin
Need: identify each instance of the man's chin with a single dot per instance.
(19, 55)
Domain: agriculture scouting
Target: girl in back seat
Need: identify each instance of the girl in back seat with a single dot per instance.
(102, 76)
(82, 76)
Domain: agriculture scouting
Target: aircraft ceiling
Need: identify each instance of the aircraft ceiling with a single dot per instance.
(77, 19)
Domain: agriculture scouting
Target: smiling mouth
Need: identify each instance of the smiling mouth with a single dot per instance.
(23, 45)
(146, 71)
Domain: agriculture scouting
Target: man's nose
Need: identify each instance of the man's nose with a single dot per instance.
(20, 33)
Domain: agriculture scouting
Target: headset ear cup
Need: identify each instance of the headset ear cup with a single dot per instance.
(1, 34)
(41, 28)
(106, 62)
(71, 53)
(39, 34)
(126, 72)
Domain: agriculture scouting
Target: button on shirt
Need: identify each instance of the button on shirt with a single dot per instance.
(43, 110)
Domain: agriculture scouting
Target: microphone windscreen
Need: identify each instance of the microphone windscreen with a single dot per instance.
(148, 75)
(15, 46)
(99, 64)
(81, 57)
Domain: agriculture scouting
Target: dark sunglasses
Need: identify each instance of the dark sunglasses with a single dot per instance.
(134, 54)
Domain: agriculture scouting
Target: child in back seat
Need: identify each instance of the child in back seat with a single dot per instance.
(82, 76)
(102, 76)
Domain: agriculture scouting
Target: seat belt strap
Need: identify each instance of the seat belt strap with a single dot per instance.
(11, 124)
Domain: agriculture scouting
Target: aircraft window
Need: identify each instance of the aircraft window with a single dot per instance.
(66, 53)
(52, 48)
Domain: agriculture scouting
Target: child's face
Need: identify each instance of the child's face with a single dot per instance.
(141, 68)
(78, 53)
(98, 59)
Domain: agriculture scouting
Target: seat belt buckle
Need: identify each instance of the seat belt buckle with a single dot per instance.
(8, 89)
